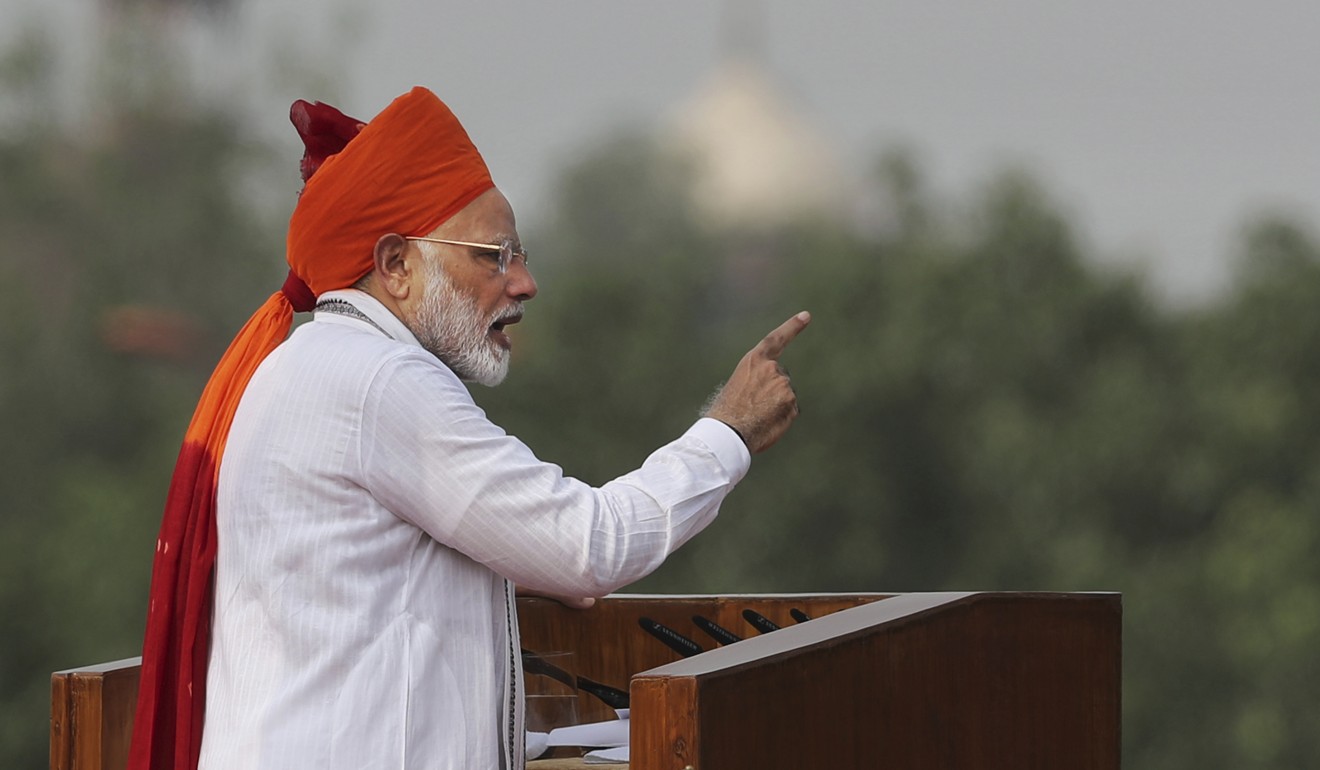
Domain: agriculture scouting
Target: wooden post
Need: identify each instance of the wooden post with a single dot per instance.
(91, 716)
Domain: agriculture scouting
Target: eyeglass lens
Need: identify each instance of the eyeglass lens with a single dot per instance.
(507, 255)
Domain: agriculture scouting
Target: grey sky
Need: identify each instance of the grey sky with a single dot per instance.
(1160, 125)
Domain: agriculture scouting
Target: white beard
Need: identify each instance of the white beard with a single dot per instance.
(449, 325)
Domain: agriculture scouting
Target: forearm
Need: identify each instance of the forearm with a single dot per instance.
(574, 540)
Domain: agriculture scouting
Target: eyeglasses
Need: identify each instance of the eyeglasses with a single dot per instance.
(507, 254)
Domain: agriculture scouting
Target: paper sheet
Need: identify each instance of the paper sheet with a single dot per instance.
(611, 733)
(606, 756)
(537, 743)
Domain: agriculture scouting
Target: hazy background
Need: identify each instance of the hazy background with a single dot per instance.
(1159, 124)
(1062, 259)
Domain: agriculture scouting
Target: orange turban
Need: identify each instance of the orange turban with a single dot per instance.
(410, 169)
(407, 171)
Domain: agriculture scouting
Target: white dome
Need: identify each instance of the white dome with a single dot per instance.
(758, 161)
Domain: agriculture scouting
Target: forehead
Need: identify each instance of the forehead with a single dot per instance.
(489, 218)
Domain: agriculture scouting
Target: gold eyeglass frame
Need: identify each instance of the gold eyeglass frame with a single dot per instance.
(504, 248)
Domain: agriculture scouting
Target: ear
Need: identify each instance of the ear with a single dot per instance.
(393, 268)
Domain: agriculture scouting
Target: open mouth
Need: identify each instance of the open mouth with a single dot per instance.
(508, 320)
(510, 317)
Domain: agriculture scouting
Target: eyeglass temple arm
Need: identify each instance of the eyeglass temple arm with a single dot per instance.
(490, 246)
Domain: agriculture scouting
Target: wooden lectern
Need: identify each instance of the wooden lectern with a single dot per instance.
(997, 681)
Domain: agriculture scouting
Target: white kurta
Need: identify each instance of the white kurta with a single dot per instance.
(370, 519)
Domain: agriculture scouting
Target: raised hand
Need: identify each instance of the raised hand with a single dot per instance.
(758, 401)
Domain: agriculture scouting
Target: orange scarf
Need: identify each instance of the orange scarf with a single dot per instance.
(407, 171)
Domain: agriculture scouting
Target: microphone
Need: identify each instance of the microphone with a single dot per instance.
(615, 699)
(535, 664)
(799, 615)
(671, 638)
(716, 631)
(760, 622)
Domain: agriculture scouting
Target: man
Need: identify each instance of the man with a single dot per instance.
(369, 521)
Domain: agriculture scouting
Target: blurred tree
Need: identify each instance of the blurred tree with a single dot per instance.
(982, 408)
(1256, 385)
(127, 259)
(623, 255)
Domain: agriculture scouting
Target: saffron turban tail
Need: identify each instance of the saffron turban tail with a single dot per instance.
(407, 171)
(167, 728)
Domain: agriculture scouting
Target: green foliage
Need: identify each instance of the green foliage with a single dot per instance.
(590, 390)
(983, 408)
(127, 260)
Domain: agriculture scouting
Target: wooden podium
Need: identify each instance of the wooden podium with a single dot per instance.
(999, 681)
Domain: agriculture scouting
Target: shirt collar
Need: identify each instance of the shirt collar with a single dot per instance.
(373, 309)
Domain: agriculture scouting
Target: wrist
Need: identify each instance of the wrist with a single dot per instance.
(736, 432)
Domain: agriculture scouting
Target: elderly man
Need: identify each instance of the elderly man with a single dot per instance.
(369, 521)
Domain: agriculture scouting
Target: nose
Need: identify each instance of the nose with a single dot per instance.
(520, 284)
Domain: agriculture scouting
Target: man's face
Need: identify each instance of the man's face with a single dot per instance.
(464, 302)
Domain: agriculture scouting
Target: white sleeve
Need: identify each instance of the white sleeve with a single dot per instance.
(431, 456)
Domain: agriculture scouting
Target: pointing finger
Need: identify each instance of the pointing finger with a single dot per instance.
(775, 342)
